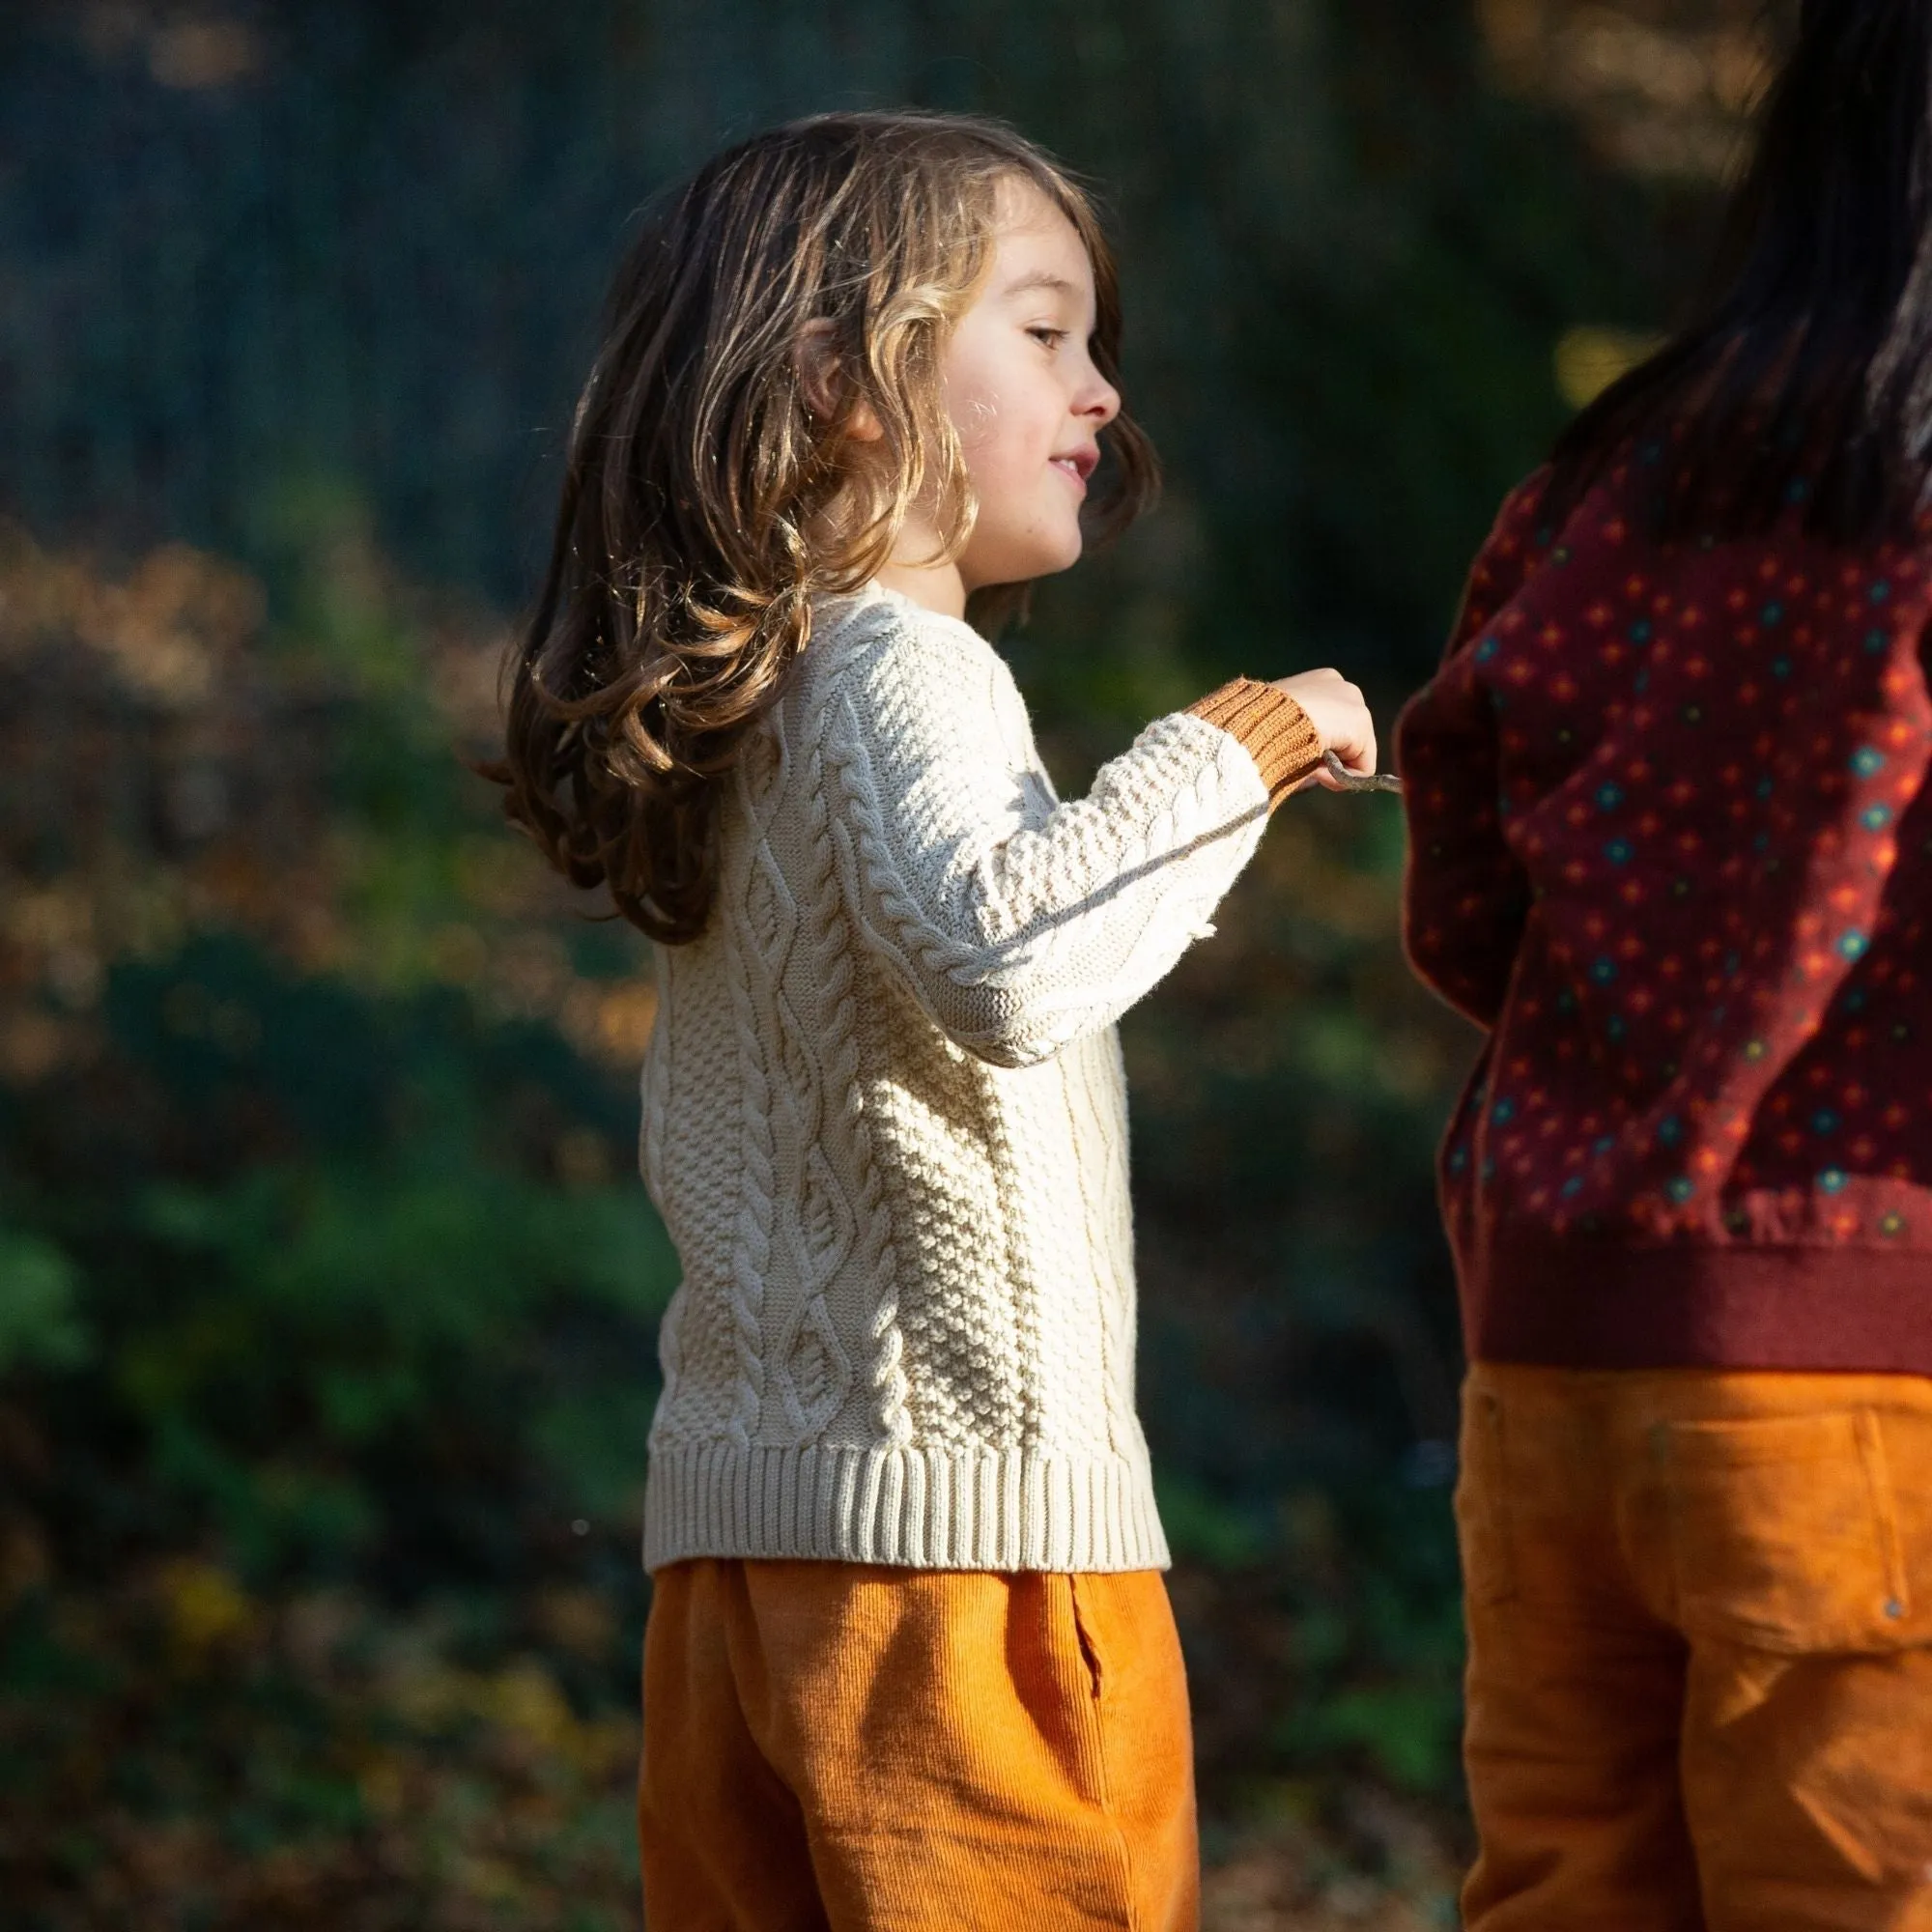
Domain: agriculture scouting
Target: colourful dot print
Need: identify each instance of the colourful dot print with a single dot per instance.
(1670, 851)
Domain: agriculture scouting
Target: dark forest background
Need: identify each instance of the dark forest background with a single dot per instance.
(326, 1289)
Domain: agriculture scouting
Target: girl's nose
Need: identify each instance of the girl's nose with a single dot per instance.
(1099, 400)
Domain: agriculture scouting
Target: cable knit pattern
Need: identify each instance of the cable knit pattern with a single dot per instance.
(886, 1120)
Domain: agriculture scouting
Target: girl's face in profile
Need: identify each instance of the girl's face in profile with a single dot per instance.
(1021, 388)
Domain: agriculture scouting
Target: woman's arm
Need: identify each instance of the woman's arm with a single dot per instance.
(1464, 895)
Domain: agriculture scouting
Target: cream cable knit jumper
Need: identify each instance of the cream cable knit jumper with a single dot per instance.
(885, 1123)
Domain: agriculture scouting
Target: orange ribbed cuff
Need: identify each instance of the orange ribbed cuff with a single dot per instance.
(1271, 728)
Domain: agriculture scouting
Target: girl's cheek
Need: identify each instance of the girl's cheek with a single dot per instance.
(979, 426)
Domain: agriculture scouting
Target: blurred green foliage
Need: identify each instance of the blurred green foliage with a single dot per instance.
(39, 1325)
(343, 1333)
(326, 1307)
(327, 1299)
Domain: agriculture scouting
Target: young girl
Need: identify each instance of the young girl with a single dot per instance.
(909, 1659)
(1672, 848)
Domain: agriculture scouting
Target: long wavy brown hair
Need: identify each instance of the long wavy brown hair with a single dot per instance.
(707, 501)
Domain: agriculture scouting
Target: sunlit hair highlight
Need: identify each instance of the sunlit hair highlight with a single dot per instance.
(706, 501)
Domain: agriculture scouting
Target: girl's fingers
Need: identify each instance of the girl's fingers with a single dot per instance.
(1330, 775)
(1348, 731)
(1359, 756)
(1337, 711)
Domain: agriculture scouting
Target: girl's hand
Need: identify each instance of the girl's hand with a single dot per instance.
(1340, 715)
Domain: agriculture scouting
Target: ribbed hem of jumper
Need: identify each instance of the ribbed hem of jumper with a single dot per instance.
(923, 1509)
(1269, 726)
(1553, 1302)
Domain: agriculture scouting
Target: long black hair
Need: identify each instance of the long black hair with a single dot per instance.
(1806, 378)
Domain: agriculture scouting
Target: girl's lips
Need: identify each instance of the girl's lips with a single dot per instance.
(1079, 466)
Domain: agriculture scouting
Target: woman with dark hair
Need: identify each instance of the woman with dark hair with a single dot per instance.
(1671, 848)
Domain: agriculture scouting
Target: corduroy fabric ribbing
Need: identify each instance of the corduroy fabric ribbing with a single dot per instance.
(1700, 1648)
(858, 1748)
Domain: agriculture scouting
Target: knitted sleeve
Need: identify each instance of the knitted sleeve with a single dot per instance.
(1272, 729)
(1020, 923)
(1464, 895)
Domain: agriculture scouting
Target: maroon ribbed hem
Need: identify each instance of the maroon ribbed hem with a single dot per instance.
(1602, 1305)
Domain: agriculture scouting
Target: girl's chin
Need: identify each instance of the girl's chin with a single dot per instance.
(1041, 545)
(1039, 556)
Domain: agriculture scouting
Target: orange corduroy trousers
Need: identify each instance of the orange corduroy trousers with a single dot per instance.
(1700, 1650)
(837, 1747)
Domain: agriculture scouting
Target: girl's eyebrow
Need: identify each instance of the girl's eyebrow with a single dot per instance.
(1041, 278)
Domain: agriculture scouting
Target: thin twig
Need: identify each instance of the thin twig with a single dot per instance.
(1347, 780)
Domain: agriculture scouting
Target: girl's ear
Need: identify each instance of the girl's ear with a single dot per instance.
(828, 396)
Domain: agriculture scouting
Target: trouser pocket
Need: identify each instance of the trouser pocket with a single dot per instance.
(1785, 1533)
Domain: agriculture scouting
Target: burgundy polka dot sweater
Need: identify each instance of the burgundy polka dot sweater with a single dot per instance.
(1671, 848)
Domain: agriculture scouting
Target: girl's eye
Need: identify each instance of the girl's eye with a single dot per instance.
(1047, 336)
